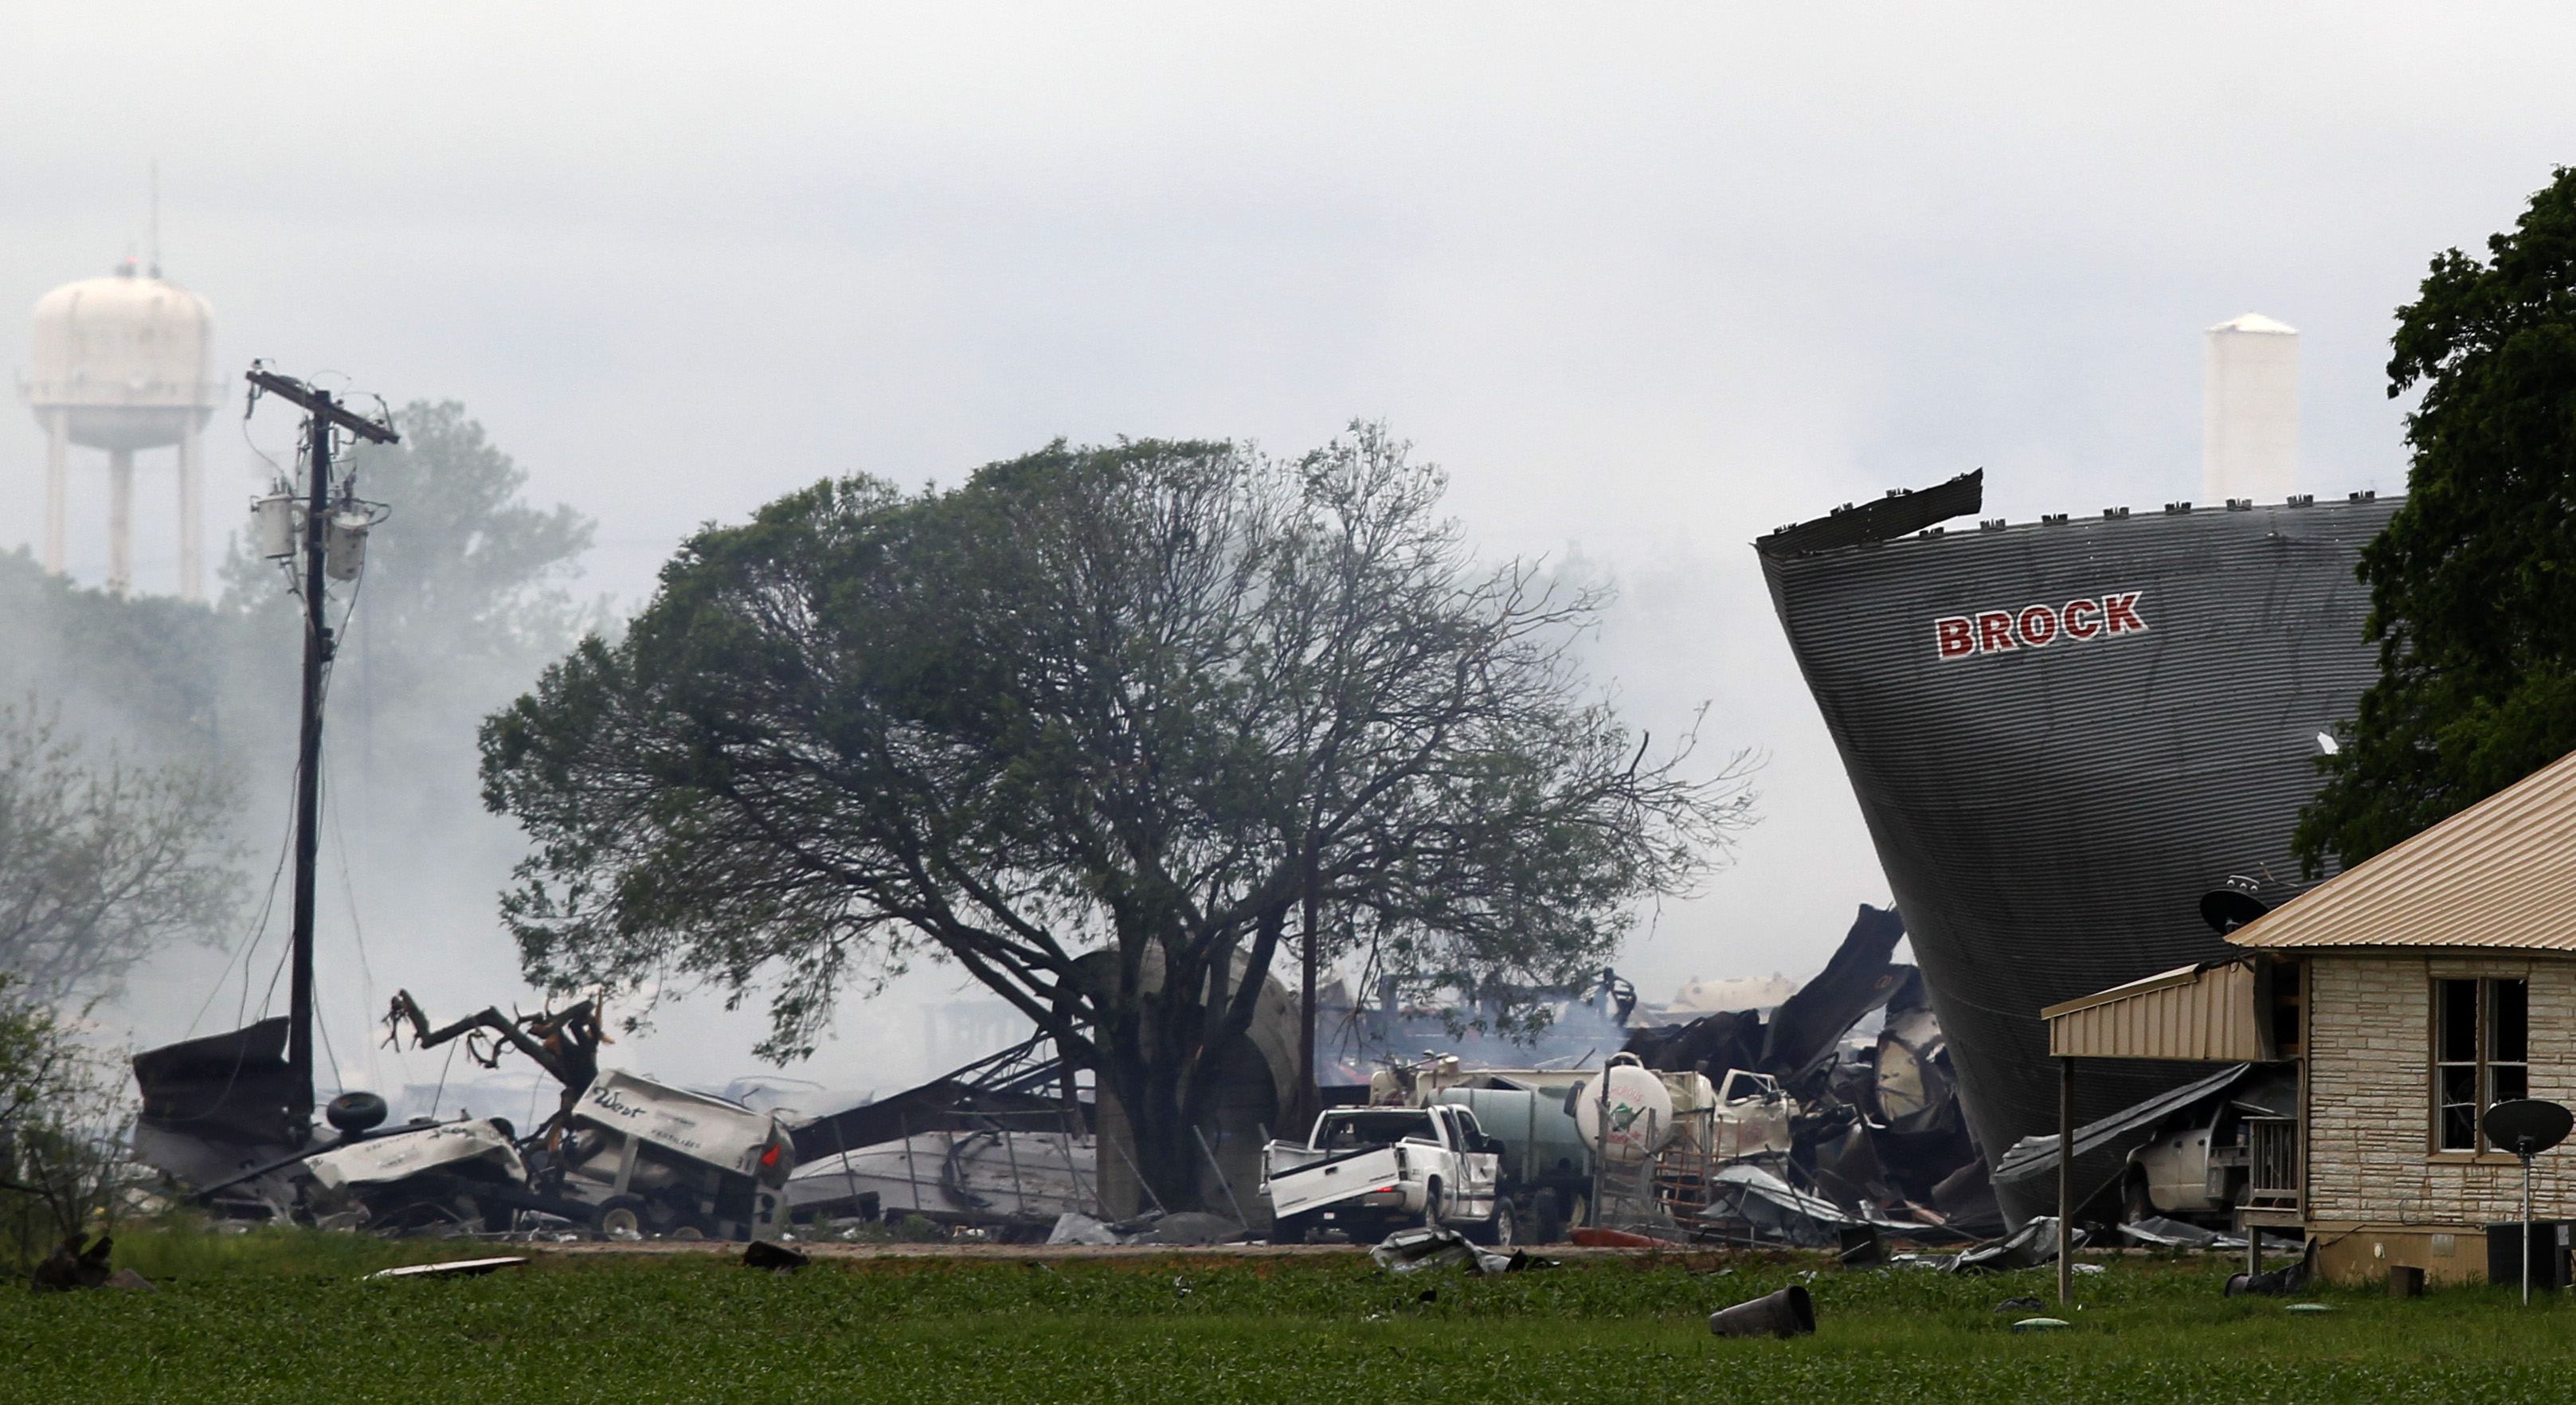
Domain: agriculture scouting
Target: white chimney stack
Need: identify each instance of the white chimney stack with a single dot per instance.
(2249, 417)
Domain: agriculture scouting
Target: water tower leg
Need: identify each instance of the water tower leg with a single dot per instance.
(57, 451)
(192, 563)
(120, 521)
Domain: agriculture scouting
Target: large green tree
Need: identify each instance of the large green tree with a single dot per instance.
(1088, 726)
(2473, 583)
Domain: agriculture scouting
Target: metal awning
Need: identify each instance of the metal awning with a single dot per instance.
(2035, 1156)
(2202, 1014)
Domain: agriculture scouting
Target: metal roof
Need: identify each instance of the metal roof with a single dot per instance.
(2203, 1013)
(2255, 322)
(2500, 875)
(2032, 1155)
(1901, 512)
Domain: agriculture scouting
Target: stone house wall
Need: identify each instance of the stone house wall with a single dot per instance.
(2377, 1191)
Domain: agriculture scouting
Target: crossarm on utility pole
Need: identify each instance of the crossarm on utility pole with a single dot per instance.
(314, 402)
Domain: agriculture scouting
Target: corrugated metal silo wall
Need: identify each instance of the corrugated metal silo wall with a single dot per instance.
(2049, 817)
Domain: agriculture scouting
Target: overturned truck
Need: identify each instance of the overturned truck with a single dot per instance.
(623, 1156)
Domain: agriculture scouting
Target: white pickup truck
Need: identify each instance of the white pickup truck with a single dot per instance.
(1369, 1171)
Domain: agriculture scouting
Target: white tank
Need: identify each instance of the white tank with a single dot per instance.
(1639, 1108)
(2249, 419)
(125, 361)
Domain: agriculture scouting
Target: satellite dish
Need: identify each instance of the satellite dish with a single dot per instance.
(2232, 904)
(2527, 1126)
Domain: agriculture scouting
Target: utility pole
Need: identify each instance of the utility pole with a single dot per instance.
(322, 415)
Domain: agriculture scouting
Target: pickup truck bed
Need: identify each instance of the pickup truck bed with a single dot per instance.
(1370, 1171)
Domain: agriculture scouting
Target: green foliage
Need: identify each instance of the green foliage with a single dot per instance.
(1206, 1328)
(180, 1247)
(1089, 726)
(151, 674)
(101, 863)
(62, 1117)
(2473, 584)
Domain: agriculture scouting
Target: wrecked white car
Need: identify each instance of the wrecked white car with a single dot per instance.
(465, 1174)
(400, 1155)
(649, 1158)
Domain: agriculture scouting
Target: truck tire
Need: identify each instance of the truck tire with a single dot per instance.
(1292, 1229)
(2135, 1203)
(622, 1217)
(1497, 1231)
(1431, 1206)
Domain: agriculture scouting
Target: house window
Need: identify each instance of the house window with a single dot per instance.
(2481, 1055)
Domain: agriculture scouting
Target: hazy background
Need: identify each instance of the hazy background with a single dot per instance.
(1648, 281)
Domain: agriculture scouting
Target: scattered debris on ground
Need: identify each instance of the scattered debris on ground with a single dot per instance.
(1790, 1312)
(1184, 1229)
(2030, 1246)
(1412, 1250)
(772, 1257)
(72, 1267)
(2278, 1282)
(453, 1268)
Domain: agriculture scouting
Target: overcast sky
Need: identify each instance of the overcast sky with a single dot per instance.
(1648, 281)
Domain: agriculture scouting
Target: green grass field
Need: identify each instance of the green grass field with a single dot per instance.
(285, 1318)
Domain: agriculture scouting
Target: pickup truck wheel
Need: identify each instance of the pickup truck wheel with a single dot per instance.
(621, 1217)
(2135, 1203)
(1431, 1206)
(1498, 1231)
(1292, 1229)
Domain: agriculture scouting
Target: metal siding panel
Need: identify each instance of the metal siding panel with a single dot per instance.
(2210, 1019)
(2048, 819)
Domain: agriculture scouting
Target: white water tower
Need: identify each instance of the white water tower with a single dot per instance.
(122, 364)
(2249, 414)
